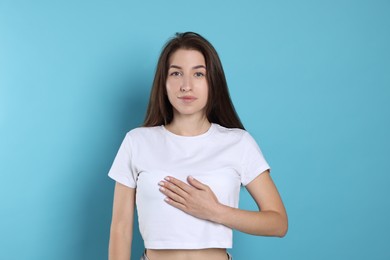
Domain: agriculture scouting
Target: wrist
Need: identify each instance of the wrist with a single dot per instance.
(218, 213)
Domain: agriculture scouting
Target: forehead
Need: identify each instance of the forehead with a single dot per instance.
(185, 57)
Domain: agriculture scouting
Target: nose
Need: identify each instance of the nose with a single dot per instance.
(186, 84)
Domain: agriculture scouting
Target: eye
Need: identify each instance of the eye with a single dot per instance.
(199, 74)
(175, 74)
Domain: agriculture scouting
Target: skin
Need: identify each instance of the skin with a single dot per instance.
(186, 78)
(198, 199)
(121, 233)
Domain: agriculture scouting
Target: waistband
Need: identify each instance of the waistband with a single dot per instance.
(144, 257)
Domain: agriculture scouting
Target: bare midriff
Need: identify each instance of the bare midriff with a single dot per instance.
(188, 254)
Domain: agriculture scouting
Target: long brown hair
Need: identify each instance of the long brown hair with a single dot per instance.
(219, 108)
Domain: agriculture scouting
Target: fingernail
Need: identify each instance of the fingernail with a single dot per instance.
(167, 179)
(161, 183)
(162, 188)
(191, 177)
(166, 199)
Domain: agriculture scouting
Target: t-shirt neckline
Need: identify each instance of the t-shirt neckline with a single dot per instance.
(205, 134)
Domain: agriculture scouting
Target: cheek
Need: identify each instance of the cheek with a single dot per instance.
(206, 91)
(171, 91)
(169, 88)
(171, 85)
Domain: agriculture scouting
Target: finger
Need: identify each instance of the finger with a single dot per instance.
(197, 184)
(172, 195)
(176, 204)
(184, 186)
(173, 188)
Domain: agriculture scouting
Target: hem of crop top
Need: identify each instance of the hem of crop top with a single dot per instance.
(176, 245)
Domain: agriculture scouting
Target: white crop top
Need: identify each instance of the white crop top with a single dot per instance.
(222, 158)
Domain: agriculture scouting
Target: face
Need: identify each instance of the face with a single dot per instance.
(186, 84)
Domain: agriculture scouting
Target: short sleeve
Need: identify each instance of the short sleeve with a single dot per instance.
(253, 161)
(122, 169)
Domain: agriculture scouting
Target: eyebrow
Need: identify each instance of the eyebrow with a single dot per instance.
(194, 68)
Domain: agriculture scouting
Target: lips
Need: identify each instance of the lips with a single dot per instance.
(187, 99)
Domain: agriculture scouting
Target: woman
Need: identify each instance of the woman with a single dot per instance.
(183, 169)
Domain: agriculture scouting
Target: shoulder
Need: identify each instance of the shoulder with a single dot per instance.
(236, 133)
(144, 130)
(146, 133)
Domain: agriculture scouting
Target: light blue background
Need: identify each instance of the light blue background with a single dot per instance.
(310, 80)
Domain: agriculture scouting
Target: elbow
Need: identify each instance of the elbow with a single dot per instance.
(283, 227)
(282, 232)
(279, 226)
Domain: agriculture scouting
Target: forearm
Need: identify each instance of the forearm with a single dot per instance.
(260, 223)
(199, 201)
(120, 245)
(121, 232)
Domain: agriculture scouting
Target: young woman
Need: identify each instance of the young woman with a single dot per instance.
(183, 169)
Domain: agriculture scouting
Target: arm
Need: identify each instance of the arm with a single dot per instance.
(270, 220)
(121, 233)
(199, 200)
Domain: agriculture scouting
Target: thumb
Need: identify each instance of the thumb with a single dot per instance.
(197, 184)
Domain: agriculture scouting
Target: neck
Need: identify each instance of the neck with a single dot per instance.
(188, 126)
